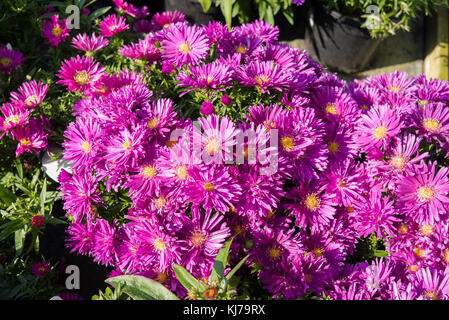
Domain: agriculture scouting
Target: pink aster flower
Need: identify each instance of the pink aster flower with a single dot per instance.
(13, 115)
(30, 93)
(204, 234)
(210, 76)
(130, 9)
(55, 30)
(215, 144)
(83, 141)
(378, 127)
(423, 196)
(433, 284)
(31, 138)
(184, 45)
(145, 50)
(125, 148)
(80, 74)
(431, 120)
(103, 242)
(376, 215)
(40, 268)
(164, 19)
(213, 187)
(112, 25)
(10, 59)
(263, 75)
(311, 205)
(89, 44)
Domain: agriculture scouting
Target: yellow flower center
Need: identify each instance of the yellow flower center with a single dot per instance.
(446, 255)
(182, 173)
(210, 293)
(152, 123)
(395, 89)
(208, 186)
(431, 295)
(380, 132)
(398, 162)
(126, 145)
(425, 193)
(11, 119)
(160, 202)
(312, 202)
(209, 79)
(431, 125)
(240, 49)
(349, 209)
(262, 79)
(403, 229)
(57, 31)
(419, 252)
(25, 142)
(413, 268)
(330, 108)
(427, 230)
(212, 145)
(6, 62)
(159, 245)
(31, 100)
(318, 252)
(162, 277)
(333, 147)
(287, 143)
(82, 77)
(149, 172)
(184, 47)
(86, 147)
(274, 253)
(308, 278)
(197, 238)
(364, 107)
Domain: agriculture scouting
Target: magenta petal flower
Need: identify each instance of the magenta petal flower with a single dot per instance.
(31, 138)
(80, 74)
(378, 127)
(424, 195)
(213, 188)
(263, 75)
(30, 93)
(433, 284)
(13, 115)
(10, 59)
(55, 30)
(89, 44)
(184, 45)
(83, 141)
(164, 19)
(112, 25)
(40, 268)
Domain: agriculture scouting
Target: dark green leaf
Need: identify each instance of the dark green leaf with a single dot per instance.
(142, 288)
(187, 280)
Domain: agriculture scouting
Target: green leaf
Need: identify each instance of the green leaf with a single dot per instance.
(220, 261)
(9, 228)
(142, 288)
(380, 253)
(94, 15)
(226, 10)
(6, 196)
(205, 4)
(19, 239)
(187, 280)
(43, 197)
(236, 268)
(288, 14)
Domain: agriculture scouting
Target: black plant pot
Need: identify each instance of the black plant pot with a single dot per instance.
(337, 41)
(193, 11)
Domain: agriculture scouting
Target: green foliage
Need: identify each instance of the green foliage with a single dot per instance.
(217, 287)
(111, 294)
(141, 288)
(390, 15)
(16, 281)
(243, 9)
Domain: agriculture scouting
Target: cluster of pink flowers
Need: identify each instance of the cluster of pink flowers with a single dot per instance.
(352, 160)
(30, 132)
